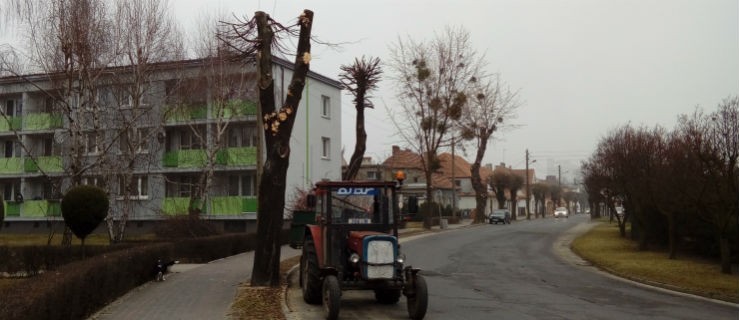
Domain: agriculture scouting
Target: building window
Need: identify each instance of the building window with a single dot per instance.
(373, 175)
(135, 139)
(191, 138)
(180, 186)
(91, 145)
(241, 185)
(326, 148)
(325, 107)
(94, 181)
(137, 188)
(245, 136)
(458, 183)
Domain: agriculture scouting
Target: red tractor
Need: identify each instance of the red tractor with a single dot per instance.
(353, 245)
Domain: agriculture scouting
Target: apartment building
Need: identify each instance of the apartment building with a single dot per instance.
(156, 142)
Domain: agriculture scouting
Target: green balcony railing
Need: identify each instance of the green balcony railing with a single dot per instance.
(10, 123)
(51, 164)
(243, 156)
(41, 121)
(12, 209)
(234, 205)
(186, 113)
(238, 107)
(218, 206)
(40, 209)
(185, 158)
(176, 206)
(11, 165)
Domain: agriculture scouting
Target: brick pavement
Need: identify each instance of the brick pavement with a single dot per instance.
(204, 291)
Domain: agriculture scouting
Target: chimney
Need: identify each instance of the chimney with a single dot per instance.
(396, 149)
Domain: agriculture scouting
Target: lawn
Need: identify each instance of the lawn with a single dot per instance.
(603, 247)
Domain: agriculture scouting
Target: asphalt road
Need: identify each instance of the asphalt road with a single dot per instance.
(518, 271)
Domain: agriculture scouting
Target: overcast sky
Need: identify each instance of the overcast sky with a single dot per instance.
(582, 67)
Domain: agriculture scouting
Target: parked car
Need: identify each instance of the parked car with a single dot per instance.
(561, 212)
(500, 216)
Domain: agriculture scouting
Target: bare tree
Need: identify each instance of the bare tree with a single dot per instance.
(489, 105)
(72, 48)
(432, 80)
(359, 79)
(539, 191)
(499, 182)
(514, 184)
(256, 38)
(145, 35)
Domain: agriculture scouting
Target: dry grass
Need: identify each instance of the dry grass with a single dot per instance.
(261, 302)
(603, 247)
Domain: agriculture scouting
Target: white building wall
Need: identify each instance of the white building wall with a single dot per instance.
(307, 163)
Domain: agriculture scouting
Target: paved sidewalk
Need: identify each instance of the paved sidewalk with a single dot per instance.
(191, 291)
(205, 291)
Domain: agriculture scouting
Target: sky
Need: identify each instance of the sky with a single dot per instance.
(581, 67)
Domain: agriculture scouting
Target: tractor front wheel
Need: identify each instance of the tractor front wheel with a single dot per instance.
(418, 302)
(310, 277)
(331, 297)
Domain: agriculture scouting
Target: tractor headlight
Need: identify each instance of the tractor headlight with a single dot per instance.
(400, 258)
(354, 258)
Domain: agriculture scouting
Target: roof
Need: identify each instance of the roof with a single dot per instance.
(403, 159)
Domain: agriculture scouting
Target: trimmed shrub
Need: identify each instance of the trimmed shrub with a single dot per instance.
(83, 208)
(78, 289)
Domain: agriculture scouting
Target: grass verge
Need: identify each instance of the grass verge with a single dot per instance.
(603, 247)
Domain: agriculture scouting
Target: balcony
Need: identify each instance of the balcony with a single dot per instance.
(33, 209)
(197, 158)
(11, 165)
(186, 113)
(232, 108)
(41, 121)
(194, 158)
(243, 156)
(10, 123)
(51, 164)
(218, 206)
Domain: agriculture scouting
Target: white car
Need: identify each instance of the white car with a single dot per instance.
(561, 212)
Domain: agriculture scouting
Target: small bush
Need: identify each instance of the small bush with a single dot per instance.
(83, 208)
(180, 227)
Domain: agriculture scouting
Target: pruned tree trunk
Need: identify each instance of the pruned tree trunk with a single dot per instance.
(278, 126)
(481, 192)
(359, 148)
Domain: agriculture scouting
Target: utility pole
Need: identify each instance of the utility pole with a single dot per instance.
(559, 175)
(528, 212)
(454, 184)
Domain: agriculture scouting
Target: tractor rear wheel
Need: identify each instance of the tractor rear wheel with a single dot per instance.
(310, 277)
(387, 296)
(331, 297)
(418, 303)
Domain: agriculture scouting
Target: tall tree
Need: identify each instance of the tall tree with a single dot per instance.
(256, 38)
(490, 103)
(359, 79)
(432, 80)
(145, 34)
(72, 48)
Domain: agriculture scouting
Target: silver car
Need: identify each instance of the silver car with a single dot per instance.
(561, 212)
